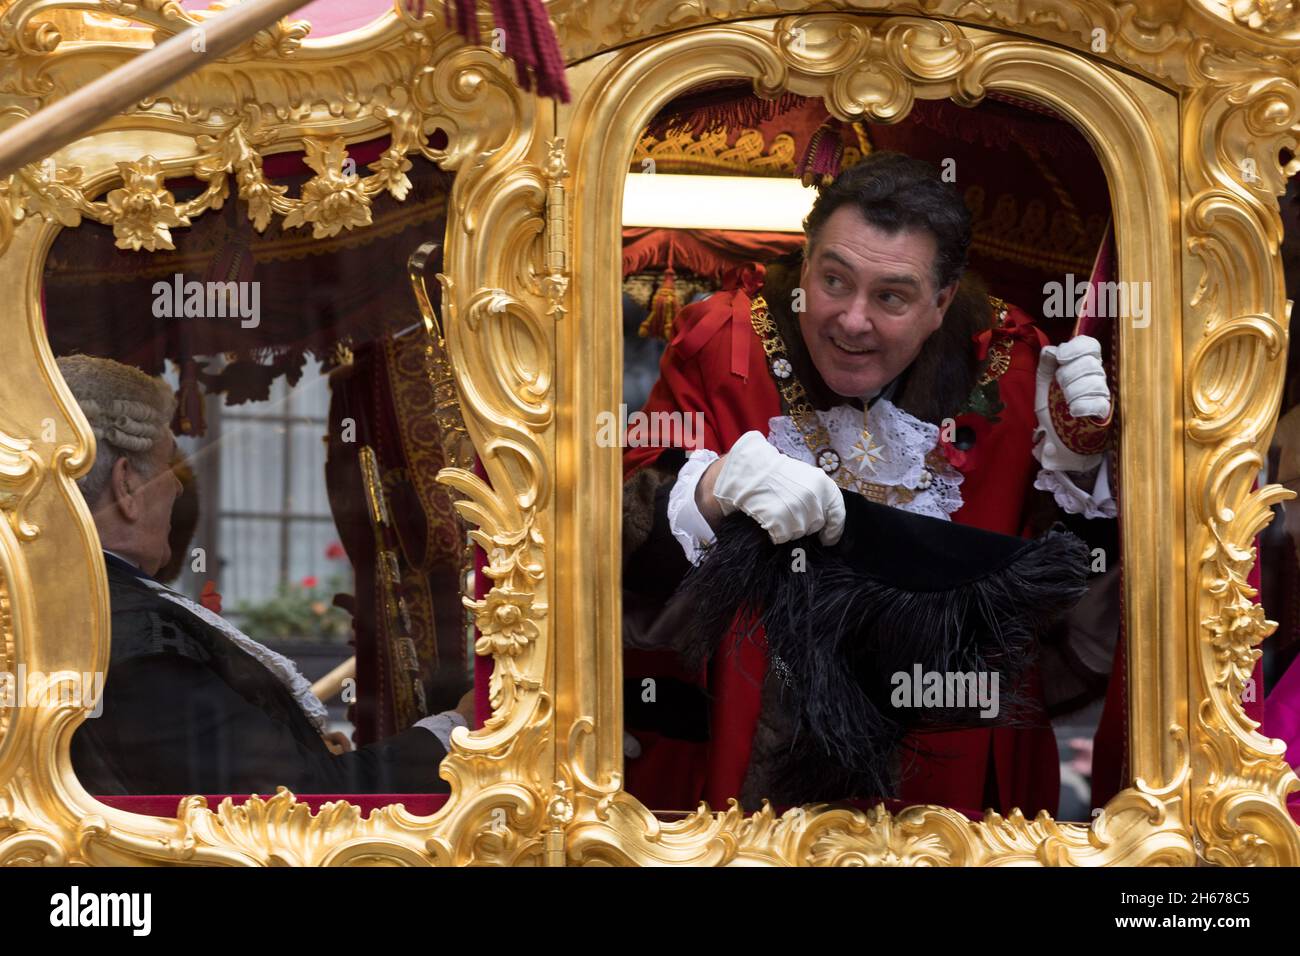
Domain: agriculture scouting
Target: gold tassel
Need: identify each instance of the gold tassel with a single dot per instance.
(663, 309)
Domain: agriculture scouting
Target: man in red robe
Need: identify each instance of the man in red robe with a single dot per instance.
(879, 322)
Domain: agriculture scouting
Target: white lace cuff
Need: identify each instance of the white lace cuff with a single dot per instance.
(441, 726)
(1073, 499)
(684, 519)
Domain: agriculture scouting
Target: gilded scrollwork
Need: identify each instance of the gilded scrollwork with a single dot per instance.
(499, 355)
(21, 475)
(876, 67)
(1238, 123)
(1160, 39)
(526, 293)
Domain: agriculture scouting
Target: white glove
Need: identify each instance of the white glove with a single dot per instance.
(788, 498)
(1081, 376)
(1077, 368)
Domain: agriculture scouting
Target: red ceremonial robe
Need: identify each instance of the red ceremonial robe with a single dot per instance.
(715, 365)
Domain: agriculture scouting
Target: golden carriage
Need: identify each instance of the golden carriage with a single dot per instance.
(1193, 112)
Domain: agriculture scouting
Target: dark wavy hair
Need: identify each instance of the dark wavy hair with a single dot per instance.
(895, 192)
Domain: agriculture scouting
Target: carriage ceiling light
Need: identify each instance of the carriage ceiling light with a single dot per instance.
(763, 204)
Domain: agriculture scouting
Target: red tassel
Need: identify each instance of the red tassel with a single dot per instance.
(663, 309)
(823, 158)
(466, 20)
(531, 42)
(528, 36)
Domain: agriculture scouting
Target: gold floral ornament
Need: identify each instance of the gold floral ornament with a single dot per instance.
(1234, 635)
(333, 200)
(507, 616)
(1269, 16)
(507, 622)
(503, 620)
(143, 211)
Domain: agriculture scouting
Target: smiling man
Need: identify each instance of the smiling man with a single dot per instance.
(876, 367)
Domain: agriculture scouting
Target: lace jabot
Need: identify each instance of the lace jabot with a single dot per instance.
(904, 455)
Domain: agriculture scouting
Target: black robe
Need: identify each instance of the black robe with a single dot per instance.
(187, 711)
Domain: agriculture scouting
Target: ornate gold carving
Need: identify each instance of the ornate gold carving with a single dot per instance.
(556, 282)
(21, 474)
(1162, 39)
(6, 649)
(1236, 335)
(866, 66)
(498, 347)
(509, 617)
(142, 211)
(526, 187)
(332, 200)
(681, 151)
(1268, 16)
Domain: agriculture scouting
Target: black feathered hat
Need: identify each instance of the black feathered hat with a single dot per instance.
(899, 592)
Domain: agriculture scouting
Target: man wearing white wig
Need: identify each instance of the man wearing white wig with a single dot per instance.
(191, 704)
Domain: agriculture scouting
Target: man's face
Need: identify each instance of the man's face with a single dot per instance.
(157, 495)
(870, 302)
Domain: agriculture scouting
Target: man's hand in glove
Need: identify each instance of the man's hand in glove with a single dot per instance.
(1075, 367)
(788, 498)
(1078, 370)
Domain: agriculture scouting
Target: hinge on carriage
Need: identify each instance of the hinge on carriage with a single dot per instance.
(556, 281)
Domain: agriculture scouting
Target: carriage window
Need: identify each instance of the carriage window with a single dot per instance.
(870, 539)
(285, 574)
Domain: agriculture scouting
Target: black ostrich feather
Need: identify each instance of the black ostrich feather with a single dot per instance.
(898, 591)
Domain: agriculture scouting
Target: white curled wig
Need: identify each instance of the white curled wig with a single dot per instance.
(128, 411)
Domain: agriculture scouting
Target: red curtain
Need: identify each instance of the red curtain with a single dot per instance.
(706, 252)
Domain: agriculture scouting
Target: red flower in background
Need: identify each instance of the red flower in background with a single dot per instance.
(309, 581)
(210, 599)
(335, 551)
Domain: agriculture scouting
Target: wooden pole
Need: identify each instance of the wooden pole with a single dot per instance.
(60, 123)
(333, 682)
